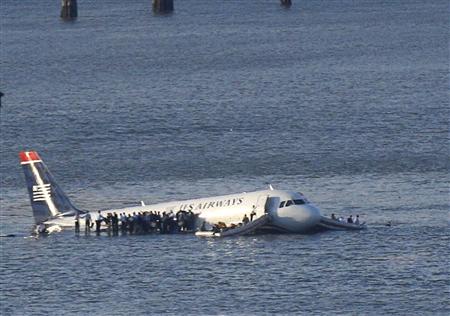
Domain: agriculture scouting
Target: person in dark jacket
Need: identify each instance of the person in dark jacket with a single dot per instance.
(88, 222)
(245, 220)
(115, 223)
(130, 224)
(252, 214)
(77, 222)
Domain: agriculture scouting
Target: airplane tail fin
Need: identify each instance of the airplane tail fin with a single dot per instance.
(46, 197)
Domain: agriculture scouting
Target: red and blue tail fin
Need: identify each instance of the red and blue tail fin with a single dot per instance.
(46, 197)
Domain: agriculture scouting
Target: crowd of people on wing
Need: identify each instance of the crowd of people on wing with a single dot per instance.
(140, 222)
(221, 226)
(150, 222)
(350, 219)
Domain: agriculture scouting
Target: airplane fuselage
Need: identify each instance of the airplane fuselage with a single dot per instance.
(289, 211)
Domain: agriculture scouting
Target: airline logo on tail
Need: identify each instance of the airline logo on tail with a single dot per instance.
(41, 192)
(46, 200)
(27, 157)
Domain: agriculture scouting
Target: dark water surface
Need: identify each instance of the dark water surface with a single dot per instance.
(346, 101)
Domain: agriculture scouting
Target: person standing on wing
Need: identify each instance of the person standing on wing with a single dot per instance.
(98, 222)
(245, 220)
(87, 221)
(252, 214)
(77, 222)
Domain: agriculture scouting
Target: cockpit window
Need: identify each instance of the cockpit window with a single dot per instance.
(289, 203)
(282, 204)
(299, 202)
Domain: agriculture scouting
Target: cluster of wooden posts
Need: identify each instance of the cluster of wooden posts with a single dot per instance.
(69, 8)
(162, 6)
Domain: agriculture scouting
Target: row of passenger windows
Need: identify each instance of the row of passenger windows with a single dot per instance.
(291, 202)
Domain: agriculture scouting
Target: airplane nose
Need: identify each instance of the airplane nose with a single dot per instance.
(314, 213)
(311, 214)
(297, 218)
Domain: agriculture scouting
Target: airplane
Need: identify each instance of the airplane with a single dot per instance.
(283, 211)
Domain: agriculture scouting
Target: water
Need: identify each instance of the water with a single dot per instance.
(346, 101)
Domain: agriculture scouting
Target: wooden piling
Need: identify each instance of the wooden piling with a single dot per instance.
(69, 9)
(286, 3)
(162, 6)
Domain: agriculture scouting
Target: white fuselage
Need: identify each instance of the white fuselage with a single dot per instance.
(295, 217)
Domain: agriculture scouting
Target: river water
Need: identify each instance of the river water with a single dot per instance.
(346, 101)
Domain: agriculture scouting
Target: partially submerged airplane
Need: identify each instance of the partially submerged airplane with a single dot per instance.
(277, 210)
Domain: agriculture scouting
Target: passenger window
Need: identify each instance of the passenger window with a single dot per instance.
(299, 202)
(289, 203)
(282, 204)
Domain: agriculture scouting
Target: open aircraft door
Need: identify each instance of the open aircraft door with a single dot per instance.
(272, 204)
(266, 204)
